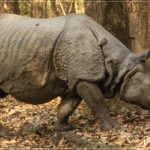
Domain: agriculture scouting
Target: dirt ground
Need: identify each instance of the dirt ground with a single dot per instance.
(34, 127)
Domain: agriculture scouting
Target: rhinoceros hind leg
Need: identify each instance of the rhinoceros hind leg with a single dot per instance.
(3, 131)
(2, 94)
(65, 109)
(92, 95)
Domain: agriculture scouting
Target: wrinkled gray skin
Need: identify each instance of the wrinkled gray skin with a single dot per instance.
(72, 57)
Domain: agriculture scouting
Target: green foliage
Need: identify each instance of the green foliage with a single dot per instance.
(87, 128)
(49, 9)
(25, 9)
(79, 6)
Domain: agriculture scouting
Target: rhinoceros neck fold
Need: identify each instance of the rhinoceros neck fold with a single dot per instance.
(125, 81)
(118, 62)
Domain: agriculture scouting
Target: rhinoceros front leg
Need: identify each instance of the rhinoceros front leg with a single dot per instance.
(65, 109)
(92, 95)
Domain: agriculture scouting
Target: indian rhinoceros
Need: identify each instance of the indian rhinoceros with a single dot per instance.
(72, 57)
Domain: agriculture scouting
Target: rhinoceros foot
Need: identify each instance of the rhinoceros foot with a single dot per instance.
(63, 127)
(109, 124)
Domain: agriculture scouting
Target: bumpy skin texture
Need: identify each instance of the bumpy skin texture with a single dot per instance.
(80, 58)
(26, 58)
(73, 57)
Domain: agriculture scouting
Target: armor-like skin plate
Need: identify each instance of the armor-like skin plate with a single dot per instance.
(72, 57)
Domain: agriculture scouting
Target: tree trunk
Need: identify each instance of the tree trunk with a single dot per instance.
(1, 7)
(65, 7)
(149, 23)
(129, 22)
(54, 9)
(39, 9)
(138, 15)
(11, 7)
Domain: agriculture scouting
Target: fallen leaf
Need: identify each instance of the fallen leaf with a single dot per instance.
(113, 138)
(103, 138)
(2, 106)
(123, 137)
(68, 144)
(130, 127)
(82, 121)
(137, 141)
(3, 145)
(144, 112)
(120, 142)
(50, 127)
(87, 135)
(80, 107)
(147, 129)
(98, 133)
(141, 129)
(75, 121)
(16, 107)
(61, 142)
(15, 114)
(79, 133)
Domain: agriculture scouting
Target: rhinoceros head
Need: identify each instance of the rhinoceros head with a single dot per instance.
(136, 86)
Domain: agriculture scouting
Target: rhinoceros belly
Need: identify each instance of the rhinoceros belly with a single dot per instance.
(26, 57)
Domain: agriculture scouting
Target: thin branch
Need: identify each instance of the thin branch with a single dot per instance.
(62, 7)
(70, 7)
(54, 10)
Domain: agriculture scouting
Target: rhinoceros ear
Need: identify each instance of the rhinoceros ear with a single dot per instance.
(145, 55)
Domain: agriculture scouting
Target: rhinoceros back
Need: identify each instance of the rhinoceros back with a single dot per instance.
(26, 47)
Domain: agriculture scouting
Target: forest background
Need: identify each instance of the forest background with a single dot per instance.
(128, 20)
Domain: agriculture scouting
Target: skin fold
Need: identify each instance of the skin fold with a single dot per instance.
(72, 57)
